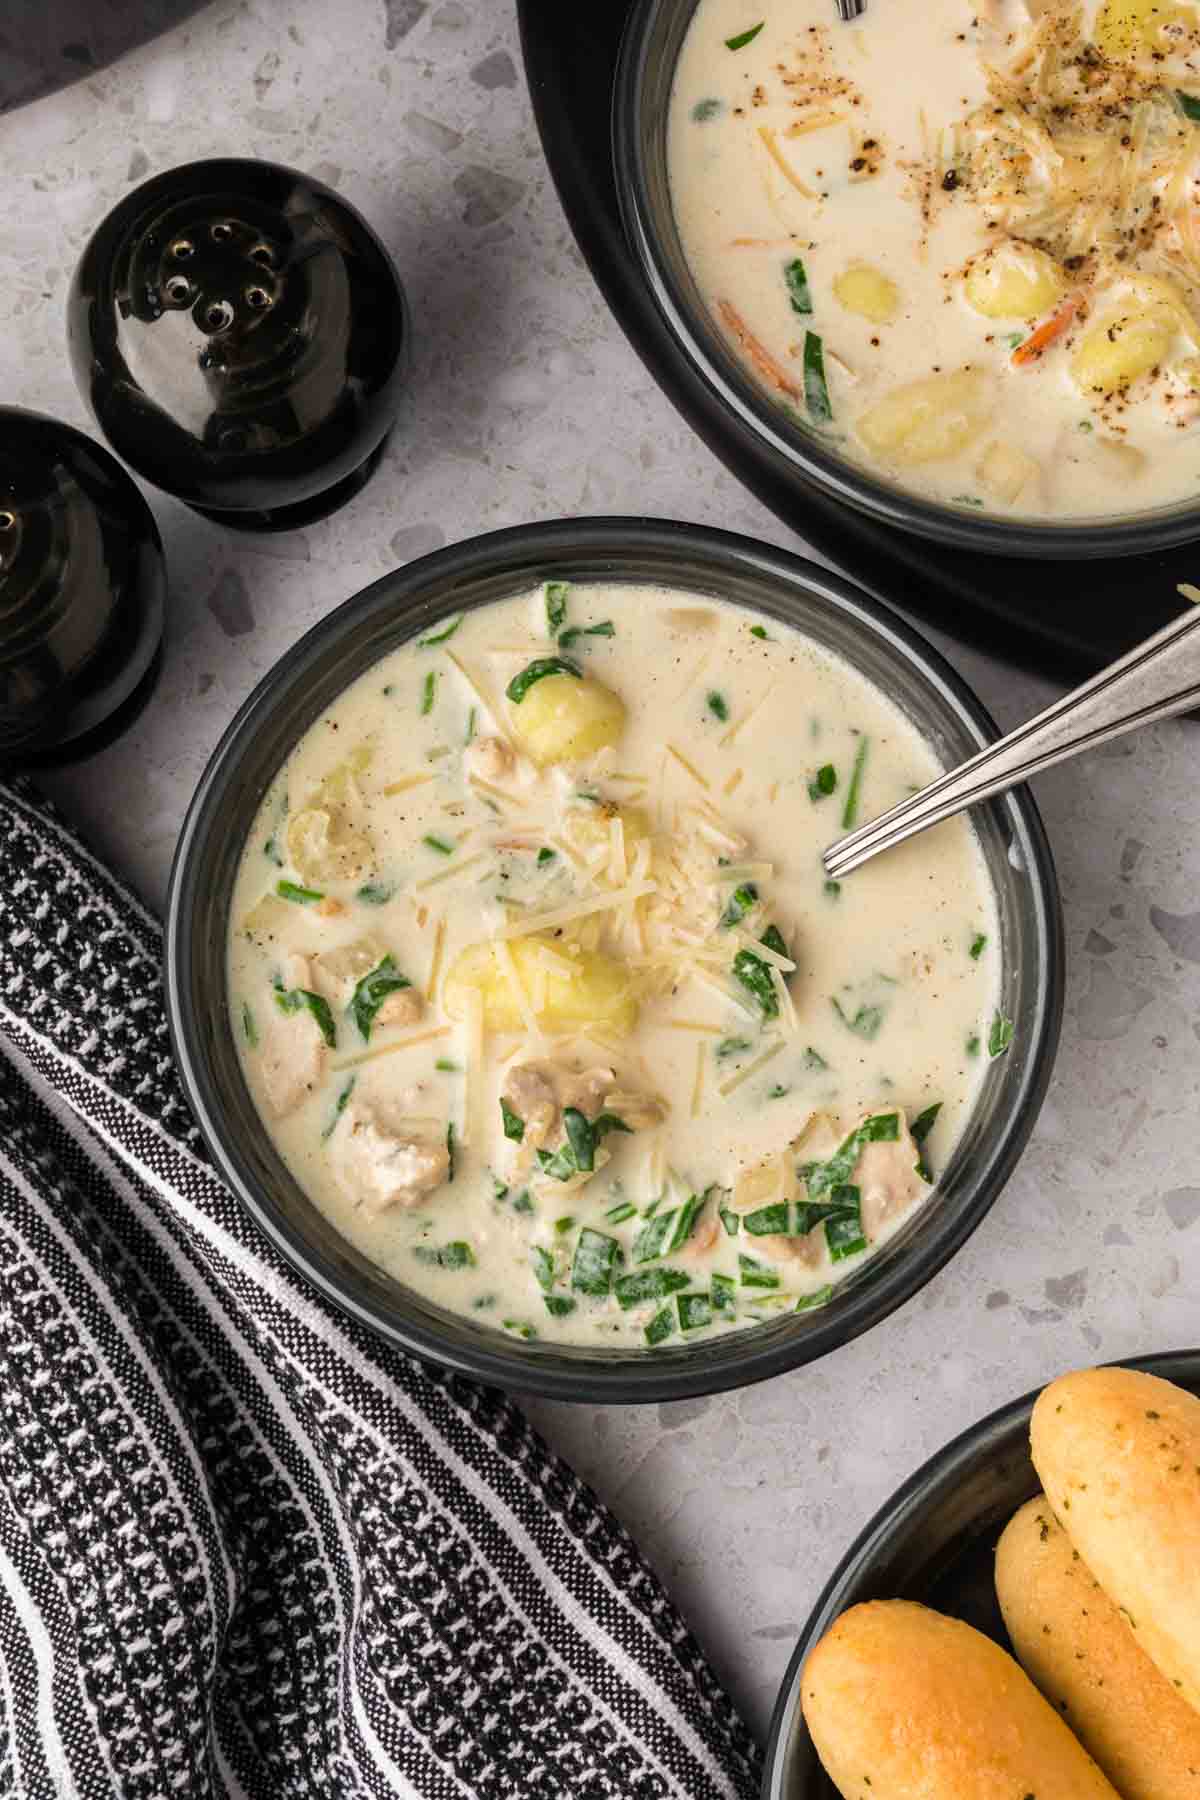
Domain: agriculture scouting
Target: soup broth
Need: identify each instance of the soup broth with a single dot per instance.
(544, 997)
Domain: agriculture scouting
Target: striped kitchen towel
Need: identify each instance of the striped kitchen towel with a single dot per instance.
(246, 1548)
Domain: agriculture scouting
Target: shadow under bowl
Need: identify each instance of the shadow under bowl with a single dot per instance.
(754, 421)
(309, 678)
(934, 1542)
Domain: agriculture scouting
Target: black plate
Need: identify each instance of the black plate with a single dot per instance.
(1065, 619)
(934, 1541)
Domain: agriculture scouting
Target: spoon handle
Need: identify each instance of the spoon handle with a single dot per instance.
(1158, 679)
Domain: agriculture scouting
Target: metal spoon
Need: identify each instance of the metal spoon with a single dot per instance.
(851, 9)
(1157, 680)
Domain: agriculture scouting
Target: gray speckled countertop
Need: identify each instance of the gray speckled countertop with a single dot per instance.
(417, 112)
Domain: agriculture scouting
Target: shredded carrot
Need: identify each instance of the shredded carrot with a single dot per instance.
(763, 361)
(1047, 332)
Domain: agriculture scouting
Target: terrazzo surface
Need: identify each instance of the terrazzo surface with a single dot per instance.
(526, 403)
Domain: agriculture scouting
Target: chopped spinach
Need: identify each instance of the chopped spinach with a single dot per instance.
(617, 1215)
(816, 388)
(744, 37)
(444, 1066)
(755, 974)
(450, 1155)
(814, 1061)
(704, 110)
(866, 1021)
(446, 631)
(519, 1328)
(978, 945)
(543, 1266)
(823, 783)
(832, 889)
(920, 1129)
(428, 693)
(291, 1000)
(821, 1297)
(375, 893)
(648, 1284)
(821, 1178)
(796, 277)
(458, 1255)
(661, 1326)
(566, 638)
(973, 1044)
(728, 1047)
(470, 737)
(1189, 103)
(514, 1124)
(695, 1311)
(596, 1259)
(854, 791)
(578, 1154)
(520, 684)
(760, 631)
(339, 1107)
(1001, 1034)
(300, 896)
(439, 844)
(545, 856)
(249, 1028)
(717, 705)
(559, 1305)
(841, 1215)
(754, 1275)
(722, 1293)
(730, 1220)
(371, 993)
(768, 1221)
(556, 605)
(742, 900)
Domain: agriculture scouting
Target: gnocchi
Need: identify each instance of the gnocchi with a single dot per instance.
(926, 421)
(868, 292)
(1122, 346)
(598, 991)
(564, 717)
(1013, 281)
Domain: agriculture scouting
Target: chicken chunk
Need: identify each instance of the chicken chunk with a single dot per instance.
(404, 1007)
(887, 1179)
(529, 1093)
(586, 1091)
(291, 1059)
(490, 759)
(378, 1162)
(705, 1233)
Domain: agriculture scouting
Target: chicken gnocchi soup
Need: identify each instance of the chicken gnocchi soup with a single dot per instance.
(959, 239)
(545, 999)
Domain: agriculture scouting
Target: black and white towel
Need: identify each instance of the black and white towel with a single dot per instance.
(247, 1549)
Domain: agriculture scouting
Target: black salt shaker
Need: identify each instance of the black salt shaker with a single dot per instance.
(240, 334)
(82, 591)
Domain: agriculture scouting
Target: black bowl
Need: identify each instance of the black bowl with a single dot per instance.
(934, 1541)
(645, 75)
(350, 640)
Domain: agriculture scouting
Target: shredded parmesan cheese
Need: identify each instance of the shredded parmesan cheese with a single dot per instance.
(408, 1043)
(751, 1068)
(698, 1084)
(435, 961)
(781, 162)
(579, 909)
(457, 868)
(405, 783)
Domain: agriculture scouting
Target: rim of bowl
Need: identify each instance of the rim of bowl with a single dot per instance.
(729, 391)
(640, 1377)
(996, 1432)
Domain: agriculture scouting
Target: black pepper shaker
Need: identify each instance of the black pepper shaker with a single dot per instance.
(240, 334)
(82, 592)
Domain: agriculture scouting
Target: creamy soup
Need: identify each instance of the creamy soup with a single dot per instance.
(543, 994)
(958, 238)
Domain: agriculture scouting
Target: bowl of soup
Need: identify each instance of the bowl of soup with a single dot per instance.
(941, 261)
(510, 993)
